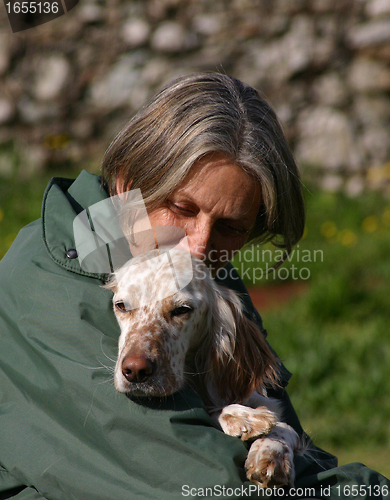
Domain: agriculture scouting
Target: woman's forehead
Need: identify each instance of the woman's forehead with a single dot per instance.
(216, 179)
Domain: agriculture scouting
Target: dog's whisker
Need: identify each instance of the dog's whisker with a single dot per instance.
(200, 372)
(110, 369)
(103, 367)
(91, 405)
(104, 354)
(109, 380)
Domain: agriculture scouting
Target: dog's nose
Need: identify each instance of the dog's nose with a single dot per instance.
(137, 369)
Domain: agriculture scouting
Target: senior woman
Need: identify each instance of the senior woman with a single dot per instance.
(210, 158)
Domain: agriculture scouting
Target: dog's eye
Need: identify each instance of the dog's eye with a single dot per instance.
(181, 311)
(121, 306)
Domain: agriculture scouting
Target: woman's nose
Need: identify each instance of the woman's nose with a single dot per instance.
(199, 242)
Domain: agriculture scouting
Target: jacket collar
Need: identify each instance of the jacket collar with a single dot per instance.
(64, 199)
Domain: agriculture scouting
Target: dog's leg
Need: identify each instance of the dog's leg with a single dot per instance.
(246, 423)
(270, 460)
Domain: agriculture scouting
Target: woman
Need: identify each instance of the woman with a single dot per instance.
(202, 130)
(209, 157)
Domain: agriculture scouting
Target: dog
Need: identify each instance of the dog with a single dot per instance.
(200, 336)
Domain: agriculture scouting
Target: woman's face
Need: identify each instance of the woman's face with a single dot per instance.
(216, 205)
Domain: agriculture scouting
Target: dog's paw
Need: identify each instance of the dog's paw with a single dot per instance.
(270, 461)
(246, 423)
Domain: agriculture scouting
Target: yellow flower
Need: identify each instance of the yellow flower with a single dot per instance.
(328, 229)
(378, 173)
(386, 217)
(348, 238)
(386, 169)
(370, 224)
(56, 141)
(375, 174)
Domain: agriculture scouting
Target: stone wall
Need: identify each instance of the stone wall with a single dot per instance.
(67, 87)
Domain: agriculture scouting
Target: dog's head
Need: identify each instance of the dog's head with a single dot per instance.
(200, 326)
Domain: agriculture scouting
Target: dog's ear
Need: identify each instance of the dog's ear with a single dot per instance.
(241, 360)
(112, 284)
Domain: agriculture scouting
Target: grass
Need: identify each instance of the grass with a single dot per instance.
(334, 337)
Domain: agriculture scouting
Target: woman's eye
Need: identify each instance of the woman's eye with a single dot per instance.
(181, 209)
(233, 231)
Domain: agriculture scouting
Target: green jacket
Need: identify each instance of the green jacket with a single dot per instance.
(65, 433)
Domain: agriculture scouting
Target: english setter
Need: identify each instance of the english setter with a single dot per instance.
(200, 336)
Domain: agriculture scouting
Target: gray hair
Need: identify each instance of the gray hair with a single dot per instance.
(205, 113)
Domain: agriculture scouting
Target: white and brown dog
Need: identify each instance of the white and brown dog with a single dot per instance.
(200, 336)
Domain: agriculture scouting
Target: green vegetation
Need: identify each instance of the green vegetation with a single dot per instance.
(334, 337)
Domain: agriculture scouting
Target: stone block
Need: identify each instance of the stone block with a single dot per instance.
(369, 75)
(51, 75)
(326, 139)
